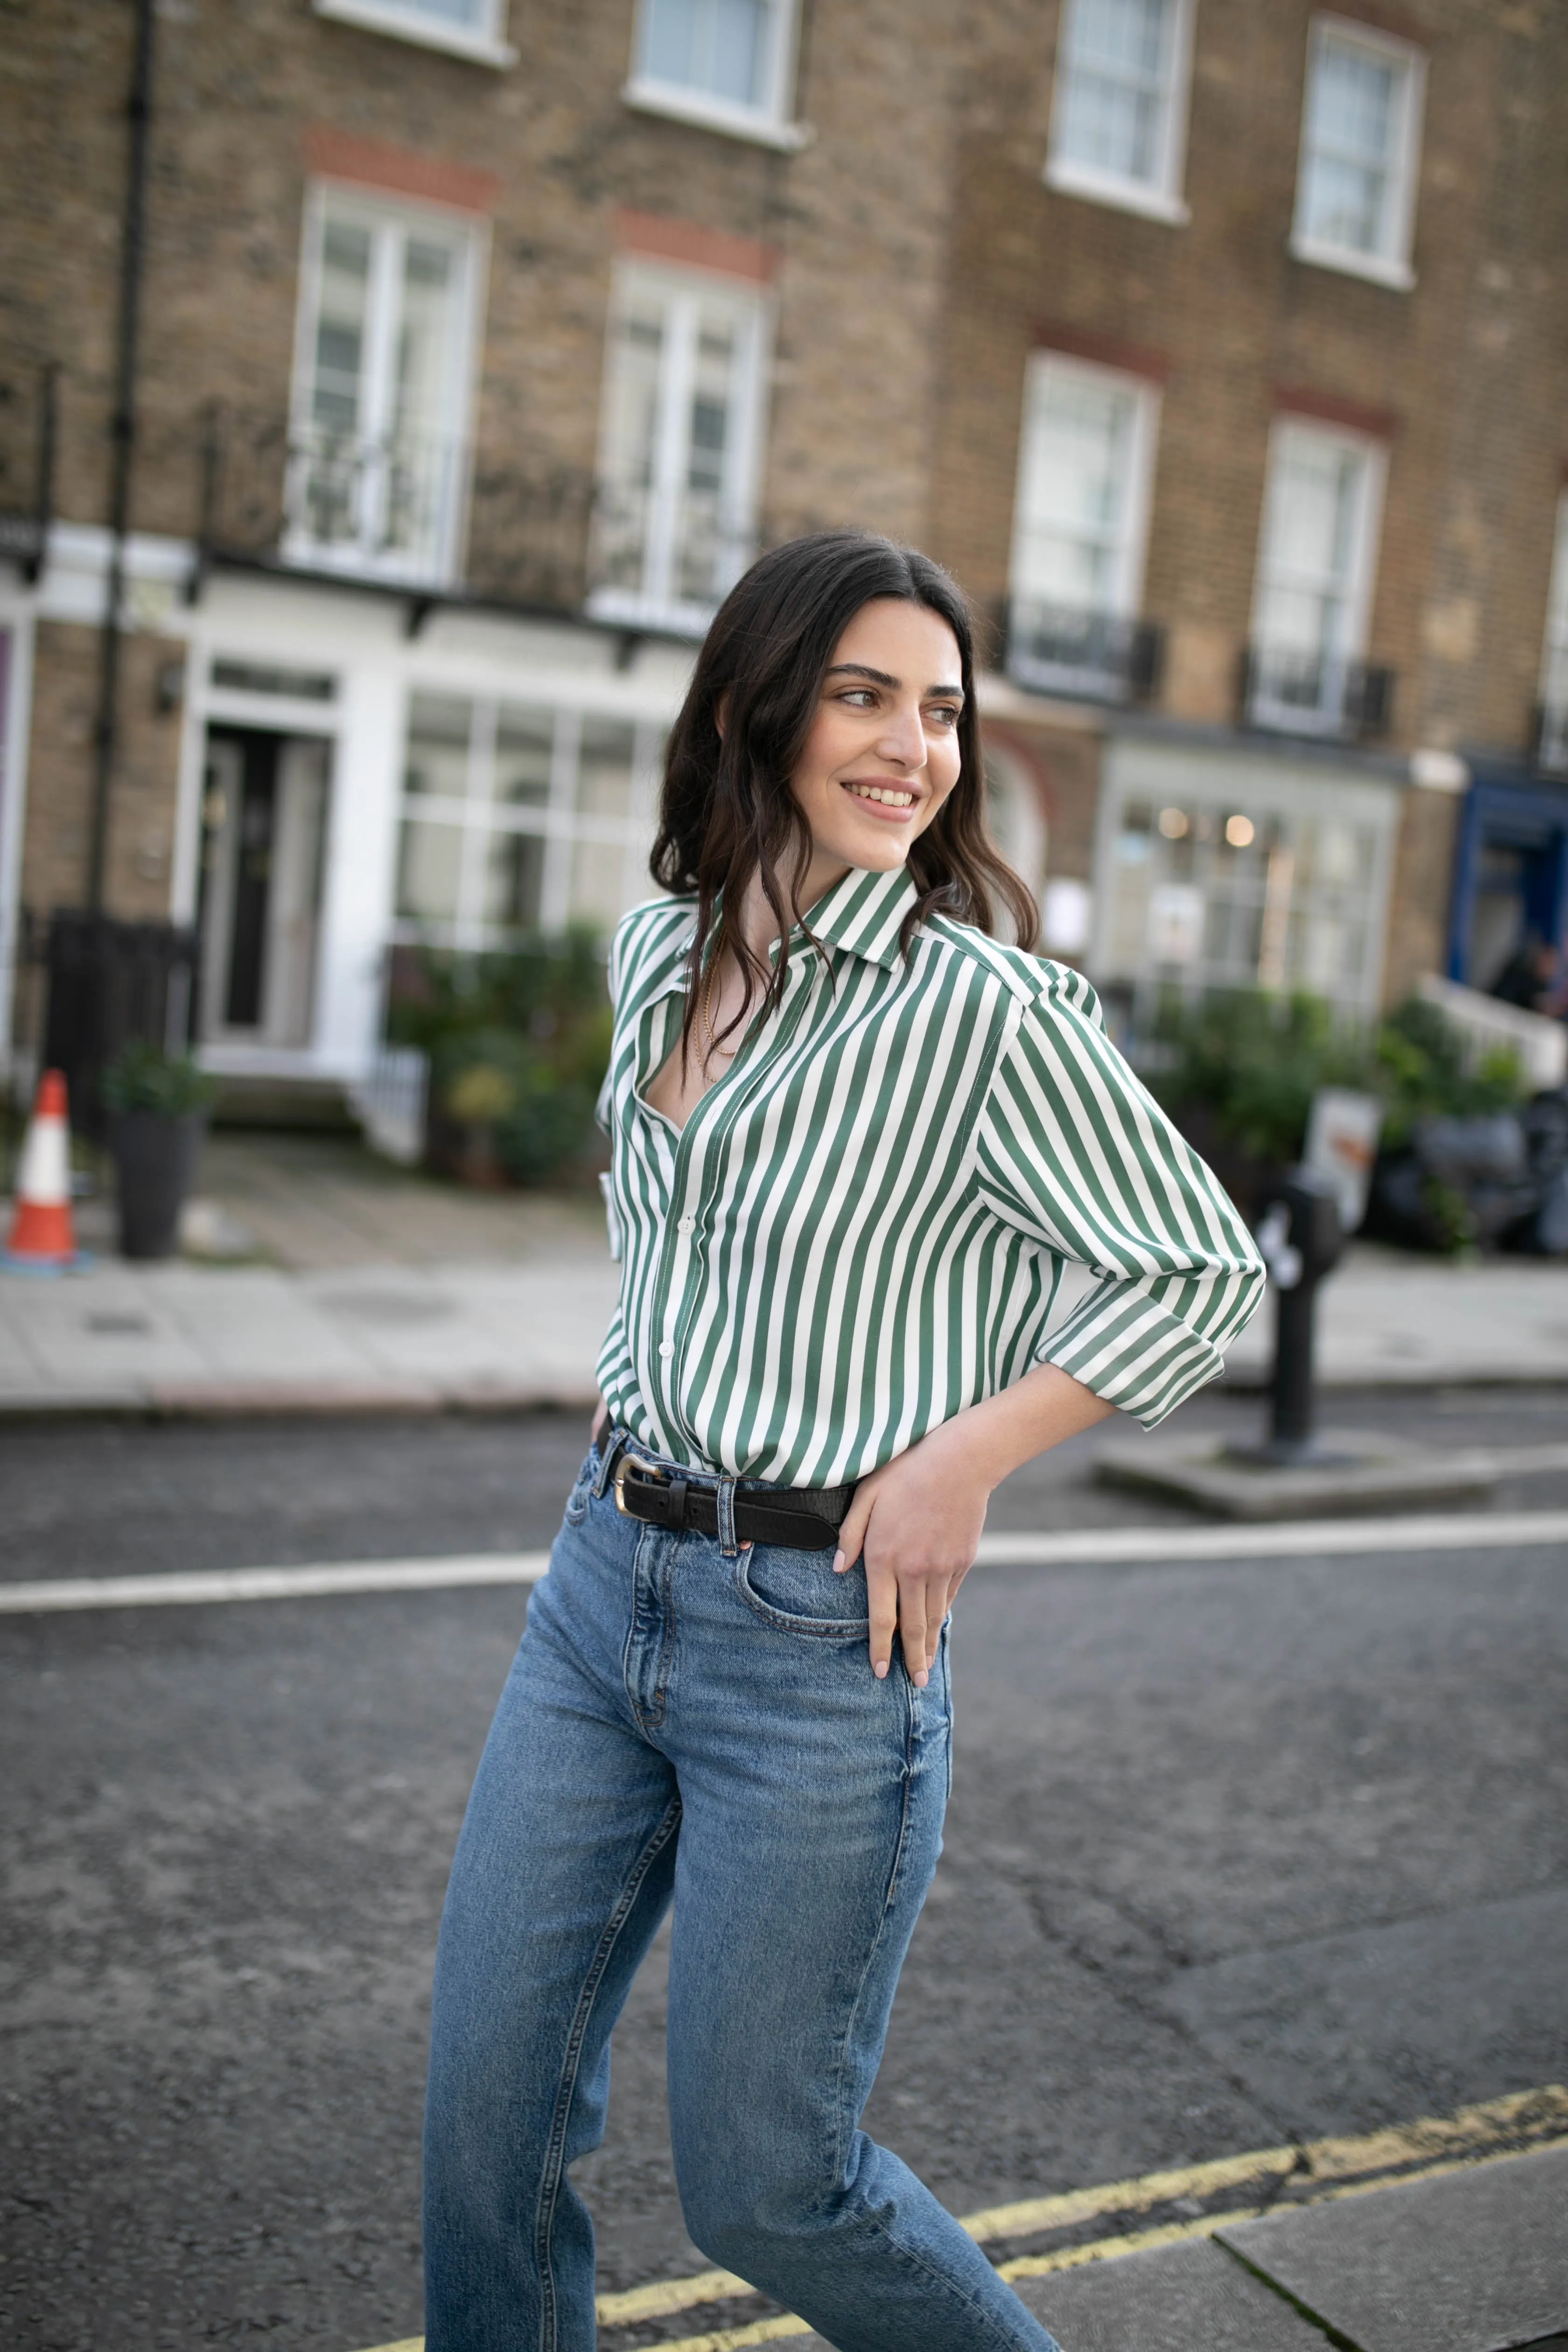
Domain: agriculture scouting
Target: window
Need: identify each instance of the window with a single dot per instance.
(1314, 581)
(472, 28)
(378, 455)
(1223, 875)
(1355, 194)
(1553, 747)
(727, 64)
(1118, 118)
(675, 521)
(520, 817)
(1084, 466)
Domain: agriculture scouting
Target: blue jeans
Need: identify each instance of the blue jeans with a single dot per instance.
(681, 1723)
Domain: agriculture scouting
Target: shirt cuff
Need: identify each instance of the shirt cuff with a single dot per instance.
(1132, 1351)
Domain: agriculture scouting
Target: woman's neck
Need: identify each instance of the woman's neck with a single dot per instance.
(758, 926)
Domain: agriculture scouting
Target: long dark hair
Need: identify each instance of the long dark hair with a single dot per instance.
(728, 812)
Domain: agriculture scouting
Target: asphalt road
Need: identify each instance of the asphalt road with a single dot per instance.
(1237, 1850)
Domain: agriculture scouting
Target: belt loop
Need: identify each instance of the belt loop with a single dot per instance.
(619, 1439)
(727, 1543)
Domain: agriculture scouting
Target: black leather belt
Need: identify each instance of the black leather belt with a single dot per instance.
(803, 1518)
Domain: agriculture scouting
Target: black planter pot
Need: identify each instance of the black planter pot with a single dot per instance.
(154, 1161)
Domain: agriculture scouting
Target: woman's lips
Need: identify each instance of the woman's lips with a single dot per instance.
(893, 802)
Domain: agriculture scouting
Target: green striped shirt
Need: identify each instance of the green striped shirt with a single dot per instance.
(862, 1227)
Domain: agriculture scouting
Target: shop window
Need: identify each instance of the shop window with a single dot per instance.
(1554, 737)
(1119, 117)
(726, 64)
(1355, 193)
(1086, 458)
(378, 456)
(1255, 886)
(518, 817)
(675, 514)
(1314, 581)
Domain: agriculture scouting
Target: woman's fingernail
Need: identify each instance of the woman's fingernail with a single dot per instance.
(921, 1679)
(839, 1563)
(880, 1669)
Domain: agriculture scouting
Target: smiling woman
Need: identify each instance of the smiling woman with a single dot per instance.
(854, 1140)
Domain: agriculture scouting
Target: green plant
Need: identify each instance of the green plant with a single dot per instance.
(1255, 1060)
(518, 1042)
(1419, 1067)
(144, 1077)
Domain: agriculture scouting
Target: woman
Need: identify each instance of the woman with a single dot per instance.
(854, 1141)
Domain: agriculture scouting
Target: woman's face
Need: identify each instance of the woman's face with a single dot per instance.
(882, 754)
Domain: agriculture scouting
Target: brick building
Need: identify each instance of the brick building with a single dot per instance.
(482, 341)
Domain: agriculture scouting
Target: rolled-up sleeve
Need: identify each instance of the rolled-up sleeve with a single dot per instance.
(1072, 1150)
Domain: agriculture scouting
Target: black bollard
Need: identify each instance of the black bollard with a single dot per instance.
(1302, 1241)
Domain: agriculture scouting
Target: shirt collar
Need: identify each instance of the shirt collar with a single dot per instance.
(864, 913)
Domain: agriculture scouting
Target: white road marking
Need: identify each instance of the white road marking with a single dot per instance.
(1082, 1547)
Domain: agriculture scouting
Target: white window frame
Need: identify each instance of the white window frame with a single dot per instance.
(1126, 601)
(487, 45)
(769, 124)
(468, 236)
(684, 289)
(1160, 198)
(1363, 579)
(557, 822)
(1552, 751)
(1391, 266)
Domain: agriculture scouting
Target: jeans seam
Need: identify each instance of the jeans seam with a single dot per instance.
(550, 2185)
(840, 2151)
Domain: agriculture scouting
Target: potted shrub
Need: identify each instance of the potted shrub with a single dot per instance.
(158, 1106)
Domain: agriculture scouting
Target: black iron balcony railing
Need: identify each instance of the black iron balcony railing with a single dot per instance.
(1098, 656)
(27, 430)
(1294, 692)
(425, 517)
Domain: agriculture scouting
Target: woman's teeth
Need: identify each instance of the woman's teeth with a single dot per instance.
(890, 796)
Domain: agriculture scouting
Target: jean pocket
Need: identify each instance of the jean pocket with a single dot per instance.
(797, 1593)
(582, 1494)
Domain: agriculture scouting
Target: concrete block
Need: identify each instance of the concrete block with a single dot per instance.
(1359, 1472)
(1477, 2262)
(1170, 2299)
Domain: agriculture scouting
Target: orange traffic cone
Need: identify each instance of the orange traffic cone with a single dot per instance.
(41, 1235)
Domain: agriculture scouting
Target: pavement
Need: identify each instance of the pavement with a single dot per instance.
(322, 1278)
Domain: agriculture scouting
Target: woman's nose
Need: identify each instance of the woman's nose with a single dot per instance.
(903, 738)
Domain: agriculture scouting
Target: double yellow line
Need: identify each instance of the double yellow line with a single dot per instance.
(1322, 2169)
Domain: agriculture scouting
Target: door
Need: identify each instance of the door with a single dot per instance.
(264, 828)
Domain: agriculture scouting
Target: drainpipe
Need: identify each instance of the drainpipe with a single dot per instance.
(123, 433)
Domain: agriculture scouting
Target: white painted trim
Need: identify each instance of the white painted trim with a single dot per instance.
(1368, 521)
(1390, 266)
(767, 124)
(1159, 198)
(683, 291)
(17, 617)
(1041, 367)
(425, 32)
(705, 113)
(389, 219)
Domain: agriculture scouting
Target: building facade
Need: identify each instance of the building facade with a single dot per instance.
(483, 342)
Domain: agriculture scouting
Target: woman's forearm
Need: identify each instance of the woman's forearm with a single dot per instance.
(999, 1435)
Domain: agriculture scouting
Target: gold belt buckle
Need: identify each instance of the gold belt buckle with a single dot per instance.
(629, 1461)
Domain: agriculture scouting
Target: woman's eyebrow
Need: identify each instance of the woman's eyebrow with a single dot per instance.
(882, 678)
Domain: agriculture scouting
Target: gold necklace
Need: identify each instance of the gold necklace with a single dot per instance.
(713, 1046)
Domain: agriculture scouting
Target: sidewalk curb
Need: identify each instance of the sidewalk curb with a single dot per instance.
(267, 1400)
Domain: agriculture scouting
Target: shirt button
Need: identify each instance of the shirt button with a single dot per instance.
(687, 1225)
(667, 1346)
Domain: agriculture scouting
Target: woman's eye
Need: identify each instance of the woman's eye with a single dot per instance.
(860, 697)
(945, 715)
